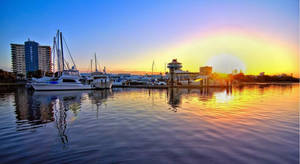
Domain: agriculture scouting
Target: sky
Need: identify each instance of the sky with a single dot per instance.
(249, 35)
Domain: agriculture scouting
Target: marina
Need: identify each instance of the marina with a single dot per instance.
(149, 82)
(65, 77)
(68, 78)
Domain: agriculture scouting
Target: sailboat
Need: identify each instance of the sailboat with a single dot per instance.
(100, 80)
(67, 79)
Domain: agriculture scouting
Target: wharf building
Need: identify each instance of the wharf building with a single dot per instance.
(177, 76)
(29, 57)
(204, 78)
(205, 75)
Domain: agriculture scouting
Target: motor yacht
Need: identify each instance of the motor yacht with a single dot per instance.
(69, 80)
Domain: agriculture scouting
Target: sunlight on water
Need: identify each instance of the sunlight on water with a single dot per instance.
(252, 124)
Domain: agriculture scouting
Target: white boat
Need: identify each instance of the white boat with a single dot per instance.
(118, 82)
(42, 79)
(38, 80)
(101, 81)
(69, 80)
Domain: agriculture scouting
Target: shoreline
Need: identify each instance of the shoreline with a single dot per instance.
(178, 86)
(14, 83)
(268, 83)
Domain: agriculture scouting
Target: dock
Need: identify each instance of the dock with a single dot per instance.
(167, 86)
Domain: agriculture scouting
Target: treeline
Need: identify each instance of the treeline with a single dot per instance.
(38, 74)
(7, 77)
(265, 78)
(10, 77)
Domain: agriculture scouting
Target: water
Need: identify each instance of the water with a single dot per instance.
(253, 124)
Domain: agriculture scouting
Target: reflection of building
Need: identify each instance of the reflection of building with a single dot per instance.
(174, 97)
(32, 109)
(30, 57)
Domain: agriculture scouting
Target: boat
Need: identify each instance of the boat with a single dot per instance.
(100, 80)
(69, 80)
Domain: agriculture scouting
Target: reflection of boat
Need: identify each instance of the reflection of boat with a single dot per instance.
(62, 102)
(99, 96)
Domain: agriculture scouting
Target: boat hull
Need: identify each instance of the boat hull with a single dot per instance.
(57, 87)
(103, 85)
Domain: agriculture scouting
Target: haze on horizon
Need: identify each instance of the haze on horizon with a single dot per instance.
(253, 35)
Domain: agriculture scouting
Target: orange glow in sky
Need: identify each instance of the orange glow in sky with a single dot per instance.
(225, 51)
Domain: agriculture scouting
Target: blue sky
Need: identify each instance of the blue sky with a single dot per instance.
(125, 31)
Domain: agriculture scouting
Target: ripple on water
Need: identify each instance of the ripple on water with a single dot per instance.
(256, 124)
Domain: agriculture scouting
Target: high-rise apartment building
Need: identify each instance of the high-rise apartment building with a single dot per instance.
(44, 53)
(18, 58)
(30, 57)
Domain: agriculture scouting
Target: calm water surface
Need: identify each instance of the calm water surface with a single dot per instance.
(253, 124)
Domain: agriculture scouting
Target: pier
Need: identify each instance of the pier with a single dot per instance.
(168, 86)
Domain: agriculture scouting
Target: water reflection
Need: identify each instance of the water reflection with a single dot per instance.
(31, 109)
(248, 124)
(204, 94)
(174, 98)
(61, 107)
(98, 98)
(63, 101)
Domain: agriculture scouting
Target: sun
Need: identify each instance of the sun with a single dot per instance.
(225, 63)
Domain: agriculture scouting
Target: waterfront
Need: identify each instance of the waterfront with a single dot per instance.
(250, 124)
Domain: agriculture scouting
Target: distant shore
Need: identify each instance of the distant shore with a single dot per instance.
(195, 86)
(12, 83)
(264, 83)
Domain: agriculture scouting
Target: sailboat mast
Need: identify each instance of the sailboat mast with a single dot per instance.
(96, 63)
(91, 65)
(53, 53)
(62, 51)
(58, 53)
(152, 68)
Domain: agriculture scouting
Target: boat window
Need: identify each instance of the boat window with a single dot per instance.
(68, 80)
(99, 77)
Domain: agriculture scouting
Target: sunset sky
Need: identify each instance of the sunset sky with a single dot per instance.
(249, 35)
